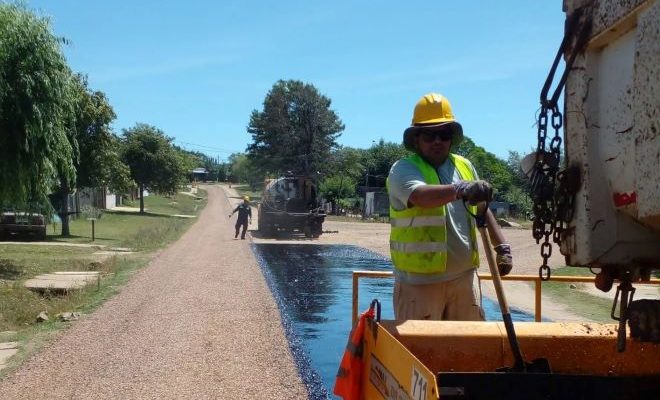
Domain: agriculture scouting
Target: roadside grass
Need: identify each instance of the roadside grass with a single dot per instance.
(155, 228)
(19, 262)
(19, 306)
(580, 302)
(178, 204)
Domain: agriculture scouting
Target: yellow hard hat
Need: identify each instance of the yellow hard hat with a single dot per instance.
(246, 198)
(431, 111)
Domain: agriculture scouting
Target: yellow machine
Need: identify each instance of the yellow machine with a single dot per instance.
(460, 360)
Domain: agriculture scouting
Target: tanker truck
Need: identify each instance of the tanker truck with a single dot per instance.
(290, 204)
(598, 203)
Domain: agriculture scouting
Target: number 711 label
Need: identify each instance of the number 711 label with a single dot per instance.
(419, 385)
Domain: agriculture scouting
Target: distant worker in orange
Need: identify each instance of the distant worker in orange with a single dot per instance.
(244, 212)
(433, 240)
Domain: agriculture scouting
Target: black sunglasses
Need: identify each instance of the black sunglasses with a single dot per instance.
(429, 136)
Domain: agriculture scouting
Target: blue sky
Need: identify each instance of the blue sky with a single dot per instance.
(197, 69)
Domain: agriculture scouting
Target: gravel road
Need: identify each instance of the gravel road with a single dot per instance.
(198, 322)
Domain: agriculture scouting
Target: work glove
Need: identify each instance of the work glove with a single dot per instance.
(474, 191)
(504, 260)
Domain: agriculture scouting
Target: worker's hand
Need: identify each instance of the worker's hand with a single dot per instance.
(474, 191)
(504, 259)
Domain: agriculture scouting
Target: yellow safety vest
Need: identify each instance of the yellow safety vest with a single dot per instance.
(418, 239)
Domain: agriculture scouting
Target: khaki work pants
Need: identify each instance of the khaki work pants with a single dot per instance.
(455, 300)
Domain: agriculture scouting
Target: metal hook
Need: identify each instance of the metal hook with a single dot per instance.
(375, 304)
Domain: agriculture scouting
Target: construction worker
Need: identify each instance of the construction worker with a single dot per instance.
(244, 212)
(433, 240)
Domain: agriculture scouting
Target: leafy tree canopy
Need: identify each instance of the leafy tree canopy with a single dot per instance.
(99, 162)
(349, 166)
(337, 187)
(35, 108)
(153, 161)
(379, 159)
(296, 130)
(214, 168)
(346, 161)
(519, 178)
(189, 160)
(244, 169)
(489, 167)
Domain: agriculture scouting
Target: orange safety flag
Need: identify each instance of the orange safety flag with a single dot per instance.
(348, 384)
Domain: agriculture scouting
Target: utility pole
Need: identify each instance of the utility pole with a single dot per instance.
(366, 187)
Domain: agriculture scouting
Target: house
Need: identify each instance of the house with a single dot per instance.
(100, 198)
(199, 174)
(500, 208)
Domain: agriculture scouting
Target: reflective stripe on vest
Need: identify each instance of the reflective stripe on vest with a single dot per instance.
(418, 221)
(417, 247)
(418, 238)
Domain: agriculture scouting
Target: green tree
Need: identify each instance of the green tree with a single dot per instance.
(334, 188)
(96, 149)
(223, 172)
(196, 159)
(35, 108)
(153, 161)
(344, 167)
(211, 166)
(243, 169)
(64, 181)
(120, 180)
(189, 161)
(346, 161)
(520, 199)
(378, 160)
(519, 178)
(489, 167)
(295, 131)
(518, 194)
(99, 163)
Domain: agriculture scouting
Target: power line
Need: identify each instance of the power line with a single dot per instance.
(218, 149)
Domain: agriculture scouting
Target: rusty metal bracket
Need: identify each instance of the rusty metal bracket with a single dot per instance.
(625, 289)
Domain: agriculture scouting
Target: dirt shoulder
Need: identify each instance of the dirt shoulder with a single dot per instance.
(375, 237)
(198, 322)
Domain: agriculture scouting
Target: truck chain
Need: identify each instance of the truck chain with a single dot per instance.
(553, 191)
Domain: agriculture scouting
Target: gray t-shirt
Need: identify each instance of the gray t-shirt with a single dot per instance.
(404, 178)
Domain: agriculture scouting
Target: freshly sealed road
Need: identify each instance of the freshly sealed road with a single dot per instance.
(198, 322)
